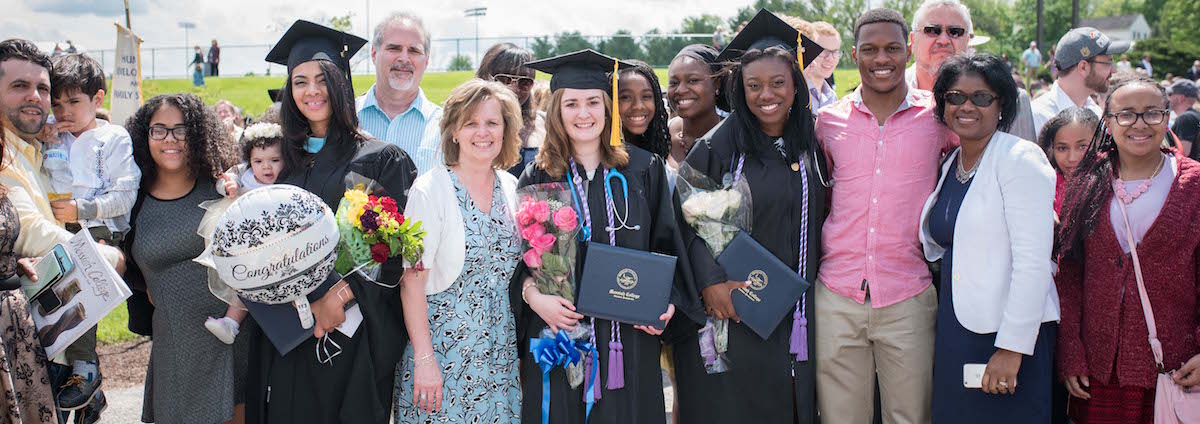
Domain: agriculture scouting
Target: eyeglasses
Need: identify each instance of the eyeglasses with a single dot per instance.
(978, 98)
(1150, 117)
(952, 31)
(830, 54)
(1102, 63)
(506, 79)
(159, 132)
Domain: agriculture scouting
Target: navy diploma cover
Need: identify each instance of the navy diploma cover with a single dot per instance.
(774, 287)
(626, 285)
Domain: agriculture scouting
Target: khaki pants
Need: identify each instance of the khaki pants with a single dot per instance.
(857, 342)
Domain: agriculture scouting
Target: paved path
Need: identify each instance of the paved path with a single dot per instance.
(124, 406)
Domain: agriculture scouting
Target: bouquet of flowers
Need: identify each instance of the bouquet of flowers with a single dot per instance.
(372, 230)
(548, 224)
(717, 212)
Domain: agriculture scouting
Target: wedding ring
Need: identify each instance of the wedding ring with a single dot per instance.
(1003, 384)
(422, 397)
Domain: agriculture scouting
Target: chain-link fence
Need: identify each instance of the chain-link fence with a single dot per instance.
(247, 59)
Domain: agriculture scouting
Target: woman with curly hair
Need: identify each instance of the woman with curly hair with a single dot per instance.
(643, 112)
(180, 146)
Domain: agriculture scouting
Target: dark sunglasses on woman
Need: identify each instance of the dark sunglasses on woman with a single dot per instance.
(979, 98)
(523, 82)
(952, 31)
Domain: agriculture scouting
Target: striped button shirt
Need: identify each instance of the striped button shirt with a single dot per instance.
(415, 130)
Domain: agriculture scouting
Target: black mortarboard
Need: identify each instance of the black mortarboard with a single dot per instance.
(767, 30)
(273, 93)
(306, 41)
(585, 70)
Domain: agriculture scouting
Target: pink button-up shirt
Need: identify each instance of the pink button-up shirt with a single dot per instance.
(882, 176)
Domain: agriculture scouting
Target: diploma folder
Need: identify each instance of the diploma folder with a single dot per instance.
(774, 287)
(280, 322)
(626, 285)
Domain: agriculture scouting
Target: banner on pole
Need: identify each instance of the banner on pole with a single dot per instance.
(126, 93)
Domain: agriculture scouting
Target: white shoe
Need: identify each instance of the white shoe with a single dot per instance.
(225, 328)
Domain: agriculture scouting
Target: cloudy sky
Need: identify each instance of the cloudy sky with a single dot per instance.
(89, 23)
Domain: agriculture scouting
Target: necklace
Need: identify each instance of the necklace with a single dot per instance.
(963, 175)
(1119, 185)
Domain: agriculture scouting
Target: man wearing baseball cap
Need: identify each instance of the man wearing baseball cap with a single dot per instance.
(1084, 57)
(1185, 121)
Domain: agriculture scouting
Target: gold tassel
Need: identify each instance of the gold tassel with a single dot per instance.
(615, 138)
(800, 50)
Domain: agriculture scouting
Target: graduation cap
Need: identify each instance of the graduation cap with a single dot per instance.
(305, 41)
(273, 93)
(767, 30)
(584, 70)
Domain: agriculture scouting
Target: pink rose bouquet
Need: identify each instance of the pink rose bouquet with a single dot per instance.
(548, 223)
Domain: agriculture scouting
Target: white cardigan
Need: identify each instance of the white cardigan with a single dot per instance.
(1003, 238)
(432, 201)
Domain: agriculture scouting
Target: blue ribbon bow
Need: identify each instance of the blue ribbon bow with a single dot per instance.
(561, 350)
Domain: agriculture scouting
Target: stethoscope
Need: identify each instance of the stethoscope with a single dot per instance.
(585, 220)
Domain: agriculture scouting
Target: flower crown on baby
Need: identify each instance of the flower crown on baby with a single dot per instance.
(261, 130)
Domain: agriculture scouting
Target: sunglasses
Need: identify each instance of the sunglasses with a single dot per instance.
(978, 98)
(507, 79)
(1150, 117)
(159, 132)
(952, 31)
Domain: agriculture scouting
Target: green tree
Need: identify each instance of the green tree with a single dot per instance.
(542, 47)
(1056, 21)
(622, 46)
(907, 8)
(1172, 56)
(461, 62)
(567, 42)
(994, 18)
(1179, 19)
(342, 23)
(660, 50)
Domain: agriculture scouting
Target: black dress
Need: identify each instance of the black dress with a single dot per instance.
(759, 386)
(357, 386)
(641, 400)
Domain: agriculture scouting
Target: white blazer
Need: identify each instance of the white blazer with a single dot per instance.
(1003, 238)
(432, 202)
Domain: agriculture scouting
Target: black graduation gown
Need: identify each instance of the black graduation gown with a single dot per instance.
(641, 400)
(758, 387)
(357, 387)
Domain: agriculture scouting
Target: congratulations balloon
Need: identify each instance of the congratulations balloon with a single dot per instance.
(274, 245)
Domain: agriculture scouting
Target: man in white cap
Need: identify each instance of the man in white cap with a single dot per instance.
(1084, 57)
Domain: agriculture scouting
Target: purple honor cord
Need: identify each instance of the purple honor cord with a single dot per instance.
(799, 341)
(616, 360)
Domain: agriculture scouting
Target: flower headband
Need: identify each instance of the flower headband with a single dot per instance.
(262, 130)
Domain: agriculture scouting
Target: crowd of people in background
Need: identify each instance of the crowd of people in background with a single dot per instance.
(982, 245)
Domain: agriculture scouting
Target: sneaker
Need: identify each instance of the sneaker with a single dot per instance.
(91, 414)
(77, 391)
(225, 328)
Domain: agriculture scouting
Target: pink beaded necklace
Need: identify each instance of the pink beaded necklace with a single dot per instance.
(1119, 185)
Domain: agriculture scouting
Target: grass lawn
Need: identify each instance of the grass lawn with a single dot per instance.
(250, 93)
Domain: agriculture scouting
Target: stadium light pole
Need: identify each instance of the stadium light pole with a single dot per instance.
(187, 26)
(476, 12)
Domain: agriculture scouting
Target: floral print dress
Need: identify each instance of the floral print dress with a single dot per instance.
(472, 326)
(23, 376)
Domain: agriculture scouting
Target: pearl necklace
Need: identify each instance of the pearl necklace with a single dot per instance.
(1119, 185)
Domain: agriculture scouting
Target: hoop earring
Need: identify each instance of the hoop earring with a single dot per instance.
(454, 139)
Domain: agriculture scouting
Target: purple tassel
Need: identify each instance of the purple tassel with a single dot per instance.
(616, 360)
(799, 342)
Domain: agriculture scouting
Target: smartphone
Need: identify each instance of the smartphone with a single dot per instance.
(49, 270)
(973, 375)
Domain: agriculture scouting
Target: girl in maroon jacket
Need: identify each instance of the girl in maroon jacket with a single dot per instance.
(1104, 355)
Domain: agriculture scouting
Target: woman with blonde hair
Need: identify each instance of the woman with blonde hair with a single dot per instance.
(456, 308)
(583, 151)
